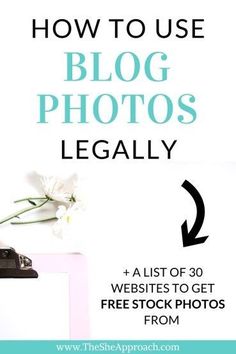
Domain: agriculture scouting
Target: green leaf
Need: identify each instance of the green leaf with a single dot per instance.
(31, 202)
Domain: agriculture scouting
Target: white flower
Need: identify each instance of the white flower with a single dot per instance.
(57, 189)
(66, 217)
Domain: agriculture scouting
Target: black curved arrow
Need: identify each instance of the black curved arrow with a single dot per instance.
(189, 237)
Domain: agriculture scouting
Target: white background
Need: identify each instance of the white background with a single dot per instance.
(134, 210)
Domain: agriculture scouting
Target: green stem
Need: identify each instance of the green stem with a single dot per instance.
(14, 215)
(26, 199)
(33, 221)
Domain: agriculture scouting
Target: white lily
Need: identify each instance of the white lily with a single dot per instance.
(66, 217)
(57, 189)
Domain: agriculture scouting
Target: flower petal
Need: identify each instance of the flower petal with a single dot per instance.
(61, 211)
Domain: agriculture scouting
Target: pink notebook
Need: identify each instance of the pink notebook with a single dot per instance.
(75, 266)
(53, 306)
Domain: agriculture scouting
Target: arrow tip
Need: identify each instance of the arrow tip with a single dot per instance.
(188, 238)
(195, 241)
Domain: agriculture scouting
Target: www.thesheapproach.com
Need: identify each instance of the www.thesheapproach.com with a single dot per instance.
(87, 347)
